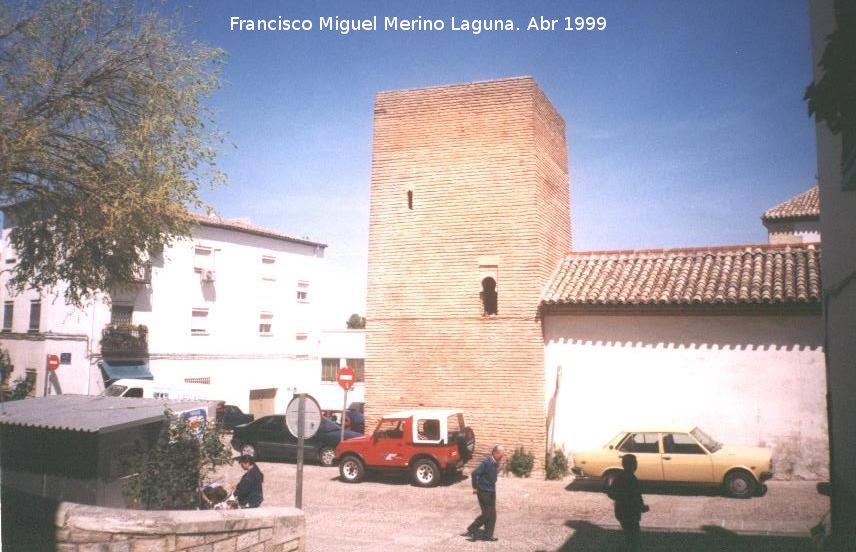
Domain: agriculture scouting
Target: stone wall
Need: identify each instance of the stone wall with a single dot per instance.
(82, 528)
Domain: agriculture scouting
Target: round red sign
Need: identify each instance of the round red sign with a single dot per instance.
(53, 362)
(346, 377)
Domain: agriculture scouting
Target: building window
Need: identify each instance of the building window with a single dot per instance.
(268, 268)
(8, 313)
(359, 366)
(329, 369)
(35, 316)
(199, 322)
(489, 296)
(265, 323)
(121, 315)
(302, 291)
(410, 199)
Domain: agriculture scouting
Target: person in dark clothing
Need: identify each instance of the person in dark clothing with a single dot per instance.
(484, 487)
(627, 494)
(249, 489)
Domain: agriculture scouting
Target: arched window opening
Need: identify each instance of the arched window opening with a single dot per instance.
(489, 296)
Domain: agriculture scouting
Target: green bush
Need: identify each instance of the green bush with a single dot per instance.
(556, 465)
(521, 462)
(170, 474)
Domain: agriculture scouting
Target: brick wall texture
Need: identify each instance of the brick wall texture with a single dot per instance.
(468, 181)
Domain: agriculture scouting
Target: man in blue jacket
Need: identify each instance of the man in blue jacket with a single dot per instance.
(249, 489)
(484, 486)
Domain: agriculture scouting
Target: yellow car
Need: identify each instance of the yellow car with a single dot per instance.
(686, 455)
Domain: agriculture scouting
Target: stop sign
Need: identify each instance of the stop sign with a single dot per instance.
(346, 377)
(53, 362)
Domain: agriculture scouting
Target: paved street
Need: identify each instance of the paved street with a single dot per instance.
(388, 513)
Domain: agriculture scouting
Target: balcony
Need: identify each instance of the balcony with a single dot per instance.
(124, 341)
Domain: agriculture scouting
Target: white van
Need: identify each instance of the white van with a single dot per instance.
(147, 389)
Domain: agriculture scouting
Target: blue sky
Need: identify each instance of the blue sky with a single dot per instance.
(685, 120)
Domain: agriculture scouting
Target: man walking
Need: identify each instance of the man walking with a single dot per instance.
(484, 486)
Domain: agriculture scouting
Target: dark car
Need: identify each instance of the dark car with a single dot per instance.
(268, 438)
(229, 416)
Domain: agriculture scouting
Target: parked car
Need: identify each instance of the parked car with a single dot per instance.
(427, 443)
(353, 420)
(684, 456)
(269, 438)
(229, 416)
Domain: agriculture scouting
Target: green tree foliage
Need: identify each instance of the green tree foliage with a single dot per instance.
(170, 475)
(556, 465)
(832, 99)
(104, 140)
(521, 462)
(356, 322)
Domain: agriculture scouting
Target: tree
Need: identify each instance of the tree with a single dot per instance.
(832, 99)
(356, 322)
(170, 475)
(104, 140)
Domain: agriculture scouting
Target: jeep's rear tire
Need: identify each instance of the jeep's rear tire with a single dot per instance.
(351, 469)
(466, 443)
(425, 472)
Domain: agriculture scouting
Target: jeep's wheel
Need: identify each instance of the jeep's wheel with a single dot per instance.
(351, 469)
(466, 443)
(425, 473)
(327, 455)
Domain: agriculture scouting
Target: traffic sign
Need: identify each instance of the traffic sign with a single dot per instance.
(346, 377)
(53, 362)
(311, 416)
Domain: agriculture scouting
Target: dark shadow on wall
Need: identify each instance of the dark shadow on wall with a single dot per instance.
(590, 537)
(28, 522)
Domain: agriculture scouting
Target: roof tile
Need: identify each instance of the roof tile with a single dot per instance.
(803, 206)
(733, 275)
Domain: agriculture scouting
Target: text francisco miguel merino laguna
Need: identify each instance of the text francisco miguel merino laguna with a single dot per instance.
(345, 26)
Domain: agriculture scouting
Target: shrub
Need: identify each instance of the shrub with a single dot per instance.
(521, 462)
(556, 465)
(169, 475)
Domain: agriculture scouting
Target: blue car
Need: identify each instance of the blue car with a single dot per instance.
(268, 438)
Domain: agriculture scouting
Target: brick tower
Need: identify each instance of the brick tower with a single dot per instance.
(469, 217)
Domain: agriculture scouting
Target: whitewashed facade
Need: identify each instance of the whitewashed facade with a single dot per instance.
(234, 306)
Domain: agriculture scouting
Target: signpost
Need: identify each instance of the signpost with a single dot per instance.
(52, 364)
(303, 418)
(346, 379)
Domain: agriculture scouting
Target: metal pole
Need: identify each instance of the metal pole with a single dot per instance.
(344, 405)
(301, 417)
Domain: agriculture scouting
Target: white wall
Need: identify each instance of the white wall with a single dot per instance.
(341, 344)
(746, 380)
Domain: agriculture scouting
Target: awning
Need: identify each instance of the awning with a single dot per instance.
(119, 369)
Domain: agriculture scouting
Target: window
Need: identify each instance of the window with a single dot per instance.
(410, 199)
(8, 313)
(265, 323)
(359, 366)
(428, 430)
(640, 442)
(268, 268)
(329, 369)
(121, 315)
(35, 316)
(390, 429)
(489, 296)
(199, 322)
(302, 291)
(680, 443)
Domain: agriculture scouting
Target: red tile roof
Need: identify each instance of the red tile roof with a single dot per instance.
(803, 206)
(245, 226)
(731, 275)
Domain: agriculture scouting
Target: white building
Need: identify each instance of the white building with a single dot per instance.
(233, 306)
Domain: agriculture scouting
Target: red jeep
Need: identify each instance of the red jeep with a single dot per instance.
(429, 443)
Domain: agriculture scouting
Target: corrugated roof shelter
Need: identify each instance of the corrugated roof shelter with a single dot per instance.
(73, 447)
(93, 414)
